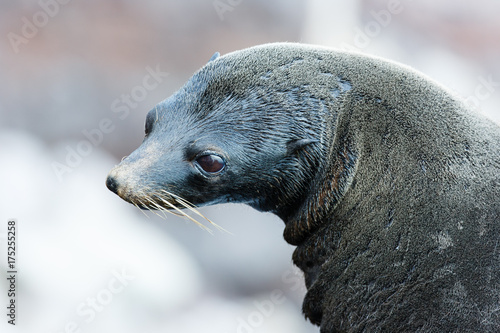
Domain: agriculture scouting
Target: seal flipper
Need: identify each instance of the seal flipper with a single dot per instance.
(215, 56)
(295, 145)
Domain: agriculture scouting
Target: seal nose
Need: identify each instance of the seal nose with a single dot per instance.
(112, 184)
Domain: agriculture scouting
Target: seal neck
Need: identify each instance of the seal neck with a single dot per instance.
(325, 192)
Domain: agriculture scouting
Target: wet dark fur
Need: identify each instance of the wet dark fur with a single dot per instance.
(388, 186)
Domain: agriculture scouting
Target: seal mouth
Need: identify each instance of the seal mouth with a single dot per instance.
(157, 202)
(145, 206)
(162, 202)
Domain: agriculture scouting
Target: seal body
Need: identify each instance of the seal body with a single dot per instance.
(388, 185)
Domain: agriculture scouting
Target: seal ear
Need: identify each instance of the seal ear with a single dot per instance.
(215, 56)
(296, 145)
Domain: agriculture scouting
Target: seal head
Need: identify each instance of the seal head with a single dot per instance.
(226, 137)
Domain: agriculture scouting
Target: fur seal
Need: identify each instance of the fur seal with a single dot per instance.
(388, 184)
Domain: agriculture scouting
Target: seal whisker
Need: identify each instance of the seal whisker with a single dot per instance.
(141, 210)
(146, 205)
(156, 207)
(185, 215)
(191, 207)
(159, 208)
(172, 212)
(194, 210)
(178, 212)
(142, 204)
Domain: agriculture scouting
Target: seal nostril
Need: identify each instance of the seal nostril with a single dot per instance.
(111, 184)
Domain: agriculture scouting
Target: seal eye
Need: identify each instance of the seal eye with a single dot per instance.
(211, 164)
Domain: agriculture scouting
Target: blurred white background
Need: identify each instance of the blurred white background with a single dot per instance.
(88, 261)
